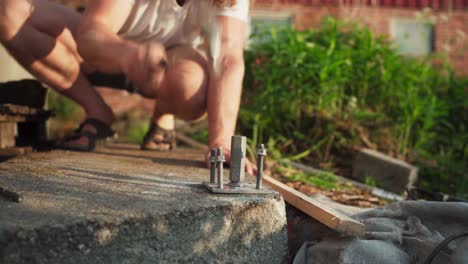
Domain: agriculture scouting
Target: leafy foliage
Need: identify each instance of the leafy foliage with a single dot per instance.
(317, 94)
(135, 134)
(62, 106)
(323, 180)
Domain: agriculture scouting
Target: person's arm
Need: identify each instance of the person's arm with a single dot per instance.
(224, 92)
(101, 46)
(97, 39)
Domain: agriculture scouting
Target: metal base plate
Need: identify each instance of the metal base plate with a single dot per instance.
(245, 188)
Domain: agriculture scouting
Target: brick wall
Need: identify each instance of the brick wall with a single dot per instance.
(451, 28)
(434, 4)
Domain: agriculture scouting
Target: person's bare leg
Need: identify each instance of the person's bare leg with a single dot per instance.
(39, 34)
(161, 140)
(182, 92)
(165, 121)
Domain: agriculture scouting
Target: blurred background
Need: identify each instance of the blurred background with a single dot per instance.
(325, 78)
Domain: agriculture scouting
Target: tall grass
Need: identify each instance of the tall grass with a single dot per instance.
(317, 94)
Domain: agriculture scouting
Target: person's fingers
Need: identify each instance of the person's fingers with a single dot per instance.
(137, 70)
(207, 159)
(156, 65)
(255, 170)
(250, 168)
(156, 59)
(227, 157)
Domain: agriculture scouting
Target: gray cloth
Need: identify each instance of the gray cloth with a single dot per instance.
(403, 232)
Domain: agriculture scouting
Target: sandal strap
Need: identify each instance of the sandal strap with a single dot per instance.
(102, 129)
(92, 138)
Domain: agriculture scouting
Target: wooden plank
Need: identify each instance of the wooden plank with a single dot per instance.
(12, 152)
(10, 118)
(17, 118)
(20, 113)
(324, 214)
(7, 135)
(18, 109)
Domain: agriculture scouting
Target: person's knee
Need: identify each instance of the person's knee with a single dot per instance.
(185, 86)
(13, 16)
(68, 75)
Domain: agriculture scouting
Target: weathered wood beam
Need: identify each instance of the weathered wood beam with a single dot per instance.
(7, 135)
(318, 210)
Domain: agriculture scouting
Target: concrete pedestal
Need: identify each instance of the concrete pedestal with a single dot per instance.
(122, 205)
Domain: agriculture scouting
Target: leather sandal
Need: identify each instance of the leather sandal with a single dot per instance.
(163, 139)
(103, 131)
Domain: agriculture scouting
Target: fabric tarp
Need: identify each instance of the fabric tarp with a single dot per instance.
(402, 232)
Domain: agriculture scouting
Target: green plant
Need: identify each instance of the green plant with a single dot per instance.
(136, 133)
(370, 181)
(322, 180)
(317, 94)
(201, 136)
(63, 107)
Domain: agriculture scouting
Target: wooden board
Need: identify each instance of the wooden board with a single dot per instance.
(7, 135)
(12, 109)
(319, 211)
(19, 113)
(10, 118)
(17, 151)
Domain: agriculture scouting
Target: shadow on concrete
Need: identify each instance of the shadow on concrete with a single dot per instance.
(3, 159)
(98, 225)
(120, 178)
(79, 210)
(165, 161)
(165, 239)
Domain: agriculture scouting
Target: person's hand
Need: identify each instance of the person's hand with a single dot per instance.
(145, 65)
(249, 166)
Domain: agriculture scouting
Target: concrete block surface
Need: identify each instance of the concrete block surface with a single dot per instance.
(389, 173)
(122, 205)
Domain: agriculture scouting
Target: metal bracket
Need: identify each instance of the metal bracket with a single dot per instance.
(236, 184)
(244, 188)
